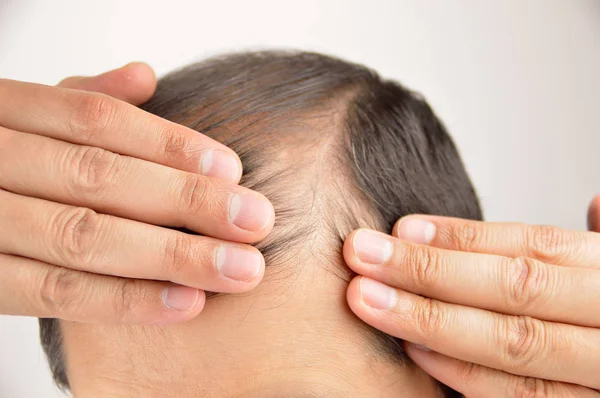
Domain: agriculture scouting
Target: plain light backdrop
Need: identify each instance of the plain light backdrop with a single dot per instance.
(516, 82)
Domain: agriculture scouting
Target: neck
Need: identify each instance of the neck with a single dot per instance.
(292, 340)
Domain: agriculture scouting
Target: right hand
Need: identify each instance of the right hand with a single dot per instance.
(84, 180)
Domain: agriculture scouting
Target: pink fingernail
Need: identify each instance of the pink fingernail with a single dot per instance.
(180, 298)
(416, 230)
(377, 295)
(237, 263)
(219, 164)
(372, 247)
(250, 212)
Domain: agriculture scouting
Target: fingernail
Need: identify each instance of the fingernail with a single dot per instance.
(219, 164)
(237, 263)
(416, 230)
(377, 295)
(180, 298)
(249, 212)
(372, 247)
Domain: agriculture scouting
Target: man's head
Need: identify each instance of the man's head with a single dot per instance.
(334, 147)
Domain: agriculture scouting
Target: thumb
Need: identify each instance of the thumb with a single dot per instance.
(594, 215)
(134, 83)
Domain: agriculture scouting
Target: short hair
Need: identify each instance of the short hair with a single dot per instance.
(368, 151)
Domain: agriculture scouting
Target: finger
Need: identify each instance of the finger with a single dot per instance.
(78, 238)
(475, 381)
(517, 286)
(33, 288)
(101, 121)
(594, 215)
(515, 344)
(123, 186)
(134, 83)
(545, 243)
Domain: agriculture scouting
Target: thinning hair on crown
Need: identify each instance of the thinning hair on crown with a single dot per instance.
(333, 145)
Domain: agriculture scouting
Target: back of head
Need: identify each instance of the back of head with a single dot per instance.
(331, 144)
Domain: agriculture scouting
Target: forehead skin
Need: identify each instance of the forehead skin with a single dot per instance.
(293, 336)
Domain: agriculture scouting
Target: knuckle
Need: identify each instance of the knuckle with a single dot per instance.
(174, 147)
(78, 231)
(529, 387)
(93, 170)
(466, 237)
(525, 339)
(194, 193)
(93, 114)
(429, 317)
(58, 291)
(527, 279)
(425, 265)
(127, 299)
(177, 252)
(468, 372)
(550, 244)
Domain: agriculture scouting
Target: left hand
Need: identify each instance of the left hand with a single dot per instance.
(491, 309)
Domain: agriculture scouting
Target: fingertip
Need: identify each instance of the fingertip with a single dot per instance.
(371, 301)
(224, 165)
(197, 308)
(353, 295)
(134, 83)
(593, 216)
(270, 211)
(396, 229)
(242, 265)
(253, 213)
(371, 247)
(445, 369)
(199, 304)
(416, 229)
(240, 168)
(140, 79)
(258, 277)
(421, 355)
(171, 315)
(348, 251)
(74, 82)
(396, 226)
(415, 349)
(180, 298)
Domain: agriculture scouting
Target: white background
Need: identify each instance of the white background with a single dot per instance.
(517, 83)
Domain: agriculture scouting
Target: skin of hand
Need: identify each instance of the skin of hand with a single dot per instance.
(86, 177)
(489, 309)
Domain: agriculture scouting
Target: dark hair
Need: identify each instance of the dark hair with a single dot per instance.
(370, 150)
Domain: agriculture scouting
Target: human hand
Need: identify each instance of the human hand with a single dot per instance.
(491, 309)
(84, 179)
